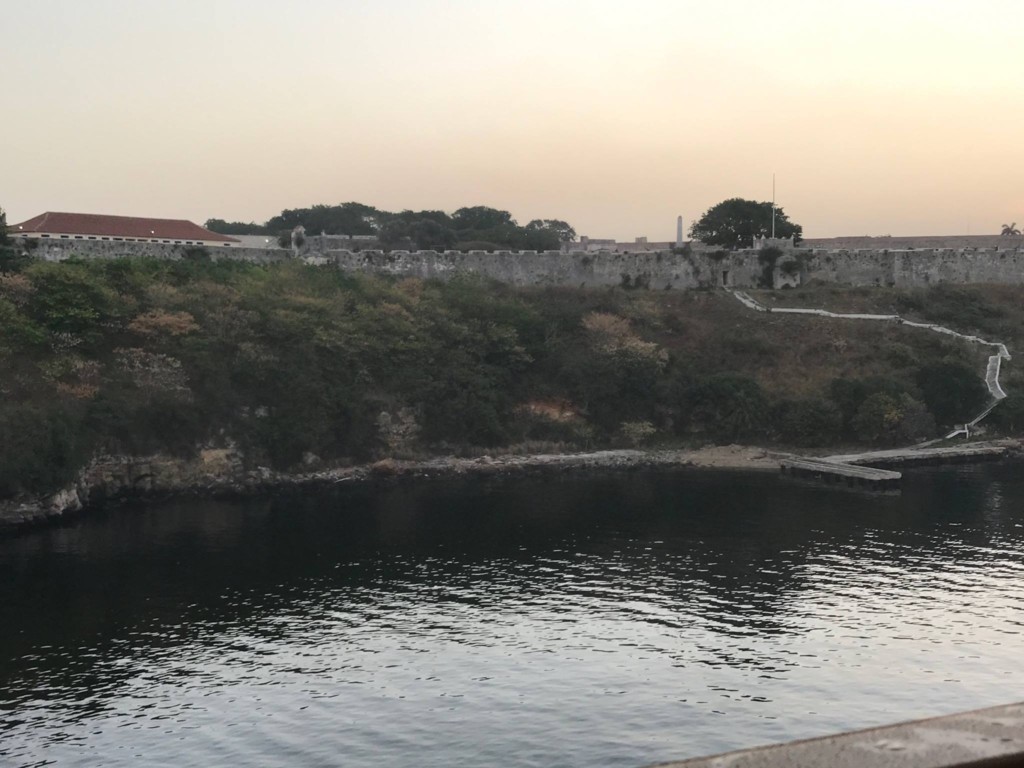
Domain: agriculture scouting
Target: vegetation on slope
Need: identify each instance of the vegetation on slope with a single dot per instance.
(298, 365)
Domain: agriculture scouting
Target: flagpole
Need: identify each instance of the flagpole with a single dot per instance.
(773, 206)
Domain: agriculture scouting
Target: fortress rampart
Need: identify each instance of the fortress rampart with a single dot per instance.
(655, 270)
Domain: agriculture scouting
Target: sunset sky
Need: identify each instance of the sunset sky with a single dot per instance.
(878, 117)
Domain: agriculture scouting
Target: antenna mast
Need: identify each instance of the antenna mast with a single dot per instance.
(773, 205)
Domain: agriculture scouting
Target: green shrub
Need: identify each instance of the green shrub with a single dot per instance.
(146, 356)
(70, 299)
(850, 394)
(637, 433)
(729, 406)
(807, 422)
(1009, 414)
(951, 391)
(42, 449)
(889, 419)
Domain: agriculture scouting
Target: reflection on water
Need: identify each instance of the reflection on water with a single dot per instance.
(609, 621)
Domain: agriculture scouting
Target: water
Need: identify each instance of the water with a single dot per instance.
(584, 621)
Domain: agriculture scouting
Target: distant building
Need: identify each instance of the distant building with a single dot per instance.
(782, 243)
(257, 241)
(313, 242)
(593, 244)
(91, 226)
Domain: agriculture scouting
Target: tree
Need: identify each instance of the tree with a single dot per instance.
(480, 217)
(565, 232)
(1010, 413)
(729, 406)
(1010, 230)
(425, 234)
(343, 219)
(527, 239)
(888, 418)
(234, 227)
(734, 223)
(849, 395)
(11, 259)
(952, 391)
(439, 217)
(808, 421)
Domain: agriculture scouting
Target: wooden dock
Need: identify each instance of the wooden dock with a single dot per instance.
(834, 472)
(953, 454)
(862, 469)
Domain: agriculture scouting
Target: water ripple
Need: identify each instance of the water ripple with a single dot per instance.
(609, 622)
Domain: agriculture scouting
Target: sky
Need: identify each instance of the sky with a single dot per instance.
(897, 117)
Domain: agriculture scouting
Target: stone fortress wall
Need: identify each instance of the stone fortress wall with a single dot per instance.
(656, 270)
(900, 243)
(61, 250)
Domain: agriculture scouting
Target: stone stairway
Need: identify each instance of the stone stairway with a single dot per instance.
(839, 467)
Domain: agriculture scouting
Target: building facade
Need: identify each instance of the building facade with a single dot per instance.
(91, 226)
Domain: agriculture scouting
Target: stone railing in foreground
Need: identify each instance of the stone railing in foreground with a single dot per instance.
(992, 369)
(984, 737)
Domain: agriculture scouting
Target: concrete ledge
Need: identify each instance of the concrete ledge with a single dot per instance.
(982, 738)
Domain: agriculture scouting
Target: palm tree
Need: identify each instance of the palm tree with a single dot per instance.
(1010, 230)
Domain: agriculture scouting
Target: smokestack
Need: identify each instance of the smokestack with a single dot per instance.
(679, 231)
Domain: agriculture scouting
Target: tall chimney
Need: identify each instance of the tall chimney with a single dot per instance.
(679, 232)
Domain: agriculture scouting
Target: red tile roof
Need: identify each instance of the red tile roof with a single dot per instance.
(116, 226)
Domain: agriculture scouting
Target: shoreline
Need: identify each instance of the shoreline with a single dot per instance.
(219, 473)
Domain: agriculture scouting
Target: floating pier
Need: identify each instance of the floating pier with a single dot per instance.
(834, 472)
(953, 454)
(853, 470)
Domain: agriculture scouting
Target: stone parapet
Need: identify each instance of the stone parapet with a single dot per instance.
(655, 270)
(985, 737)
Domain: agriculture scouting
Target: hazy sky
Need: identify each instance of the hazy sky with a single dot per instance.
(878, 116)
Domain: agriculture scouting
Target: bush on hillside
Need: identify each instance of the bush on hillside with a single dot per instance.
(888, 419)
(807, 422)
(952, 391)
(286, 360)
(729, 406)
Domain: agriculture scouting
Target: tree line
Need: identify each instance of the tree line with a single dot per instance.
(470, 228)
(732, 223)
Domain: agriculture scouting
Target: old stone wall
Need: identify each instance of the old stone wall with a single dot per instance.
(954, 266)
(581, 270)
(61, 250)
(918, 267)
(901, 243)
(660, 270)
